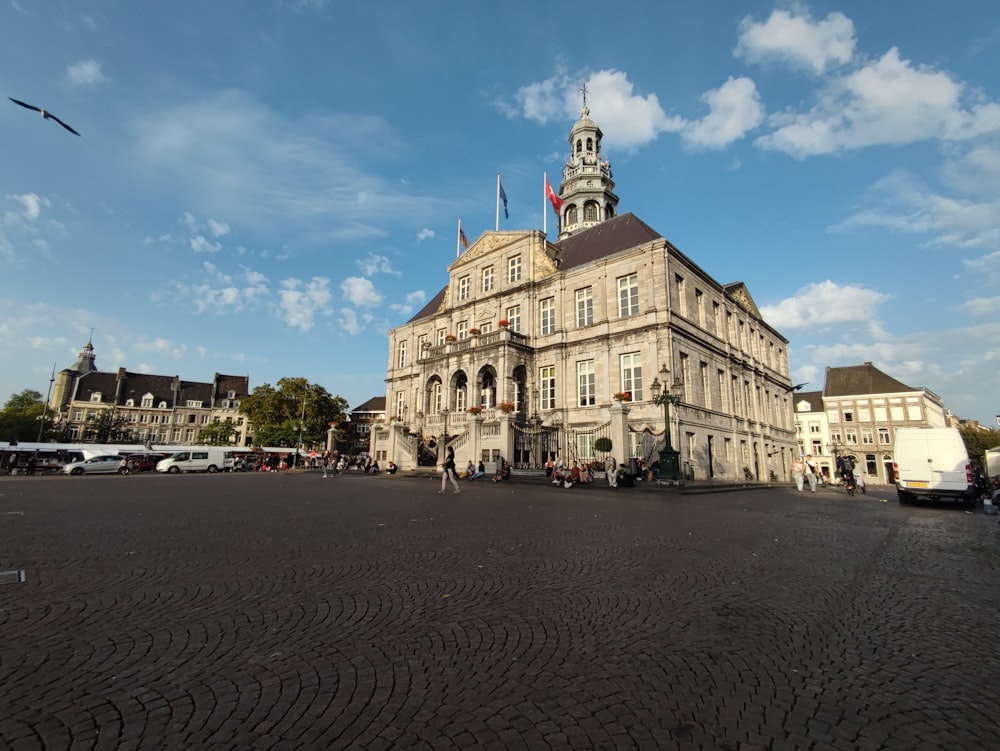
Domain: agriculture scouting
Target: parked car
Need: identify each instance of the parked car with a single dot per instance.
(106, 464)
(197, 460)
(140, 463)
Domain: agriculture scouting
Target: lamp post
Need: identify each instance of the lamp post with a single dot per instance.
(669, 464)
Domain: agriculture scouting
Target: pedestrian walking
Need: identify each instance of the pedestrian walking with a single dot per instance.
(798, 472)
(449, 473)
(811, 472)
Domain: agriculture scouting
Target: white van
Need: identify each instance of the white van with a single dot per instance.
(932, 463)
(197, 460)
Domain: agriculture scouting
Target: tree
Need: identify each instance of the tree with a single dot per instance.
(108, 426)
(977, 440)
(217, 434)
(19, 419)
(279, 415)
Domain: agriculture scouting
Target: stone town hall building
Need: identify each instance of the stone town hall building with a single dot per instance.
(536, 347)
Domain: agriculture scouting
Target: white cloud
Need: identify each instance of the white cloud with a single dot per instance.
(820, 305)
(360, 292)
(220, 294)
(793, 37)
(425, 234)
(200, 245)
(898, 203)
(375, 264)
(85, 73)
(417, 297)
(735, 109)
(348, 321)
(629, 119)
(32, 203)
(981, 306)
(218, 229)
(301, 301)
(888, 101)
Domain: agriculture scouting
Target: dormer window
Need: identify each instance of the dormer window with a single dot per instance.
(130, 402)
(147, 400)
(96, 396)
(231, 394)
(161, 405)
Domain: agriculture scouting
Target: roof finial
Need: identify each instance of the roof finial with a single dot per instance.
(583, 110)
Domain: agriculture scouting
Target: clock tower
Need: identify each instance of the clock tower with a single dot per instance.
(587, 190)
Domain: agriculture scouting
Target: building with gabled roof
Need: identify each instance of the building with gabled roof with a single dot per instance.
(534, 348)
(156, 408)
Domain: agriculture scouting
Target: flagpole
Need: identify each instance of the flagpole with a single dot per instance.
(545, 213)
(498, 203)
(458, 238)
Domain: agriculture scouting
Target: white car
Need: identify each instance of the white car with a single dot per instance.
(107, 464)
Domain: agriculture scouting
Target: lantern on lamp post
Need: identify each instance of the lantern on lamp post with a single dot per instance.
(669, 462)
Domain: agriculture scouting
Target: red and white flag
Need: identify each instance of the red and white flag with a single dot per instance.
(556, 201)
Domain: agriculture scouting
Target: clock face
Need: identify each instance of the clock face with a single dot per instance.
(590, 183)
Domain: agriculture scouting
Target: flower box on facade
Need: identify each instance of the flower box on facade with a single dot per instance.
(503, 323)
(451, 338)
(623, 396)
(475, 410)
(506, 407)
(474, 331)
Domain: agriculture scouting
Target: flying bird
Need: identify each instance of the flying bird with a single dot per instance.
(797, 387)
(46, 115)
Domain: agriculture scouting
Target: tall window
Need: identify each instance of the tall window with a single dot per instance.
(402, 354)
(441, 334)
(514, 317)
(547, 384)
(514, 269)
(717, 317)
(585, 306)
(421, 341)
(462, 329)
(147, 400)
(682, 307)
(628, 296)
(437, 394)
(706, 386)
(631, 365)
(488, 279)
(867, 437)
(463, 288)
(723, 390)
(586, 385)
(883, 436)
(400, 405)
(547, 315)
(699, 304)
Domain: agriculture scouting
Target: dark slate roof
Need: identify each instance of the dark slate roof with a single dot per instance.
(605, 239)
(375, 404)
(431, 307)
(814, 398)
(96, 381)
(861, 379)
(137, 385)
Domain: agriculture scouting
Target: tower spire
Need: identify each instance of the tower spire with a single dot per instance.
(587, 190)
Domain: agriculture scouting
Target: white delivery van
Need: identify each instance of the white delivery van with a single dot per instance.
(993, 462)
(197, 460)
(932, 463)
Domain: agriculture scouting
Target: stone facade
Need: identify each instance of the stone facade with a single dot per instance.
(158, 409)
(536, 347)
(858, 413)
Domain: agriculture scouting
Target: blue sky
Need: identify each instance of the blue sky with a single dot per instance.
(267, 187)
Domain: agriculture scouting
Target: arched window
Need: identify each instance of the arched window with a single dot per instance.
(579, 147)
(609, 211)
(590, 145)
(488, 392)
(461, 392)
(130, 402)
(591, 212)
(571, 215)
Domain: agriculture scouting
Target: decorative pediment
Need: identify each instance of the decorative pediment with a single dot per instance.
(485, 244)
(738, 293)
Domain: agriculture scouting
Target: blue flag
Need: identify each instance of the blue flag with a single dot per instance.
(503, 197)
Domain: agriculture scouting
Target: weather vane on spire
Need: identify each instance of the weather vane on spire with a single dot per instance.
(583, 89)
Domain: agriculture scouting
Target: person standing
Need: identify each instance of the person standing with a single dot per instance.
(449, 473)
(811, 471)
(611, 469)
(798, 472)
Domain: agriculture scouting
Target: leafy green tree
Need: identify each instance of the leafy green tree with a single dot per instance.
(978, 439)
(279, 414)
(108, 426)
(217, 434)
(19, 419)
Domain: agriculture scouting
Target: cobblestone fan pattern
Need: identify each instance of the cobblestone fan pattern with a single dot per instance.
(293, 612)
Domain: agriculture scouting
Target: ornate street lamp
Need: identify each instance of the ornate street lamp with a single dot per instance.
(669, 463)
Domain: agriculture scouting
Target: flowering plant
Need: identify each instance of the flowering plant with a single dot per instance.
(623, 396)
(506, 407)
(503, 323)
(473, 331)
(475, 410)
(451, 338)
(426, 344)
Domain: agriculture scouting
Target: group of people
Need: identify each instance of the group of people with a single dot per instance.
(805, 471)
(567, 477)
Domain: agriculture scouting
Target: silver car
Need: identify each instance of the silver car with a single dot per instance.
(107, 464)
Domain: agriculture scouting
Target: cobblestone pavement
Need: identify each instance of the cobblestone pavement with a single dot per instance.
(295, 612)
